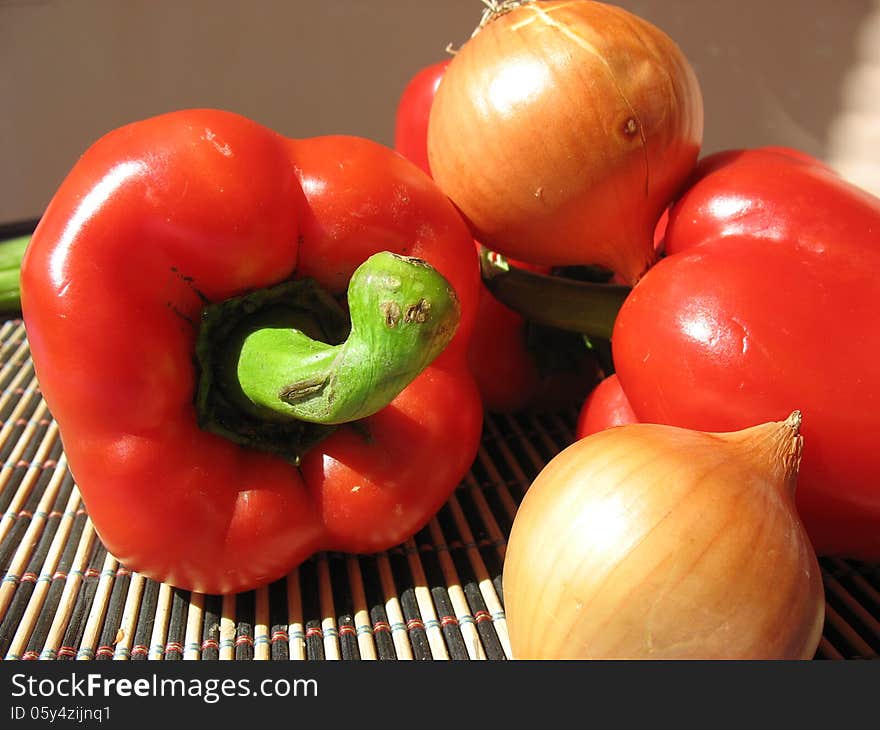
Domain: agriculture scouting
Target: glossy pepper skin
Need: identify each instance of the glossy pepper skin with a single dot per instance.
(767, 302)
(159, 218)
(504, 354)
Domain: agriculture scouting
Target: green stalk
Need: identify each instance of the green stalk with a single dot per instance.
(589, 308)
(11, 254)
(403, 314)
(281, 368)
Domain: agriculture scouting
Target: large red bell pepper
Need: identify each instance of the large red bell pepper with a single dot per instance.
(184, 300)
(767, 302)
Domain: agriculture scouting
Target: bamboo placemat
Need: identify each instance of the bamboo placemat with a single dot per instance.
(437, 596)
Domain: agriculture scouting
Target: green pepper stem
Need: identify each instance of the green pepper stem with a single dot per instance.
(589, 308)
(11, 254)
(403, 314)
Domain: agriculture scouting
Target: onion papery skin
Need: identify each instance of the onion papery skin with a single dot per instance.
(561, 130)
(655, 542)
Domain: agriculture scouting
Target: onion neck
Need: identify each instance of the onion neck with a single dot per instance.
(280, 368)
(789, 446)
(776, 445)
(589, 308)
(495, 9)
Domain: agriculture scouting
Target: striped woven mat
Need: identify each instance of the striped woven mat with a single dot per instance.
(438, 596)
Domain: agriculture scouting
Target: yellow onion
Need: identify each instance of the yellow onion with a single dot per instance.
(656, 542)
(561, 130)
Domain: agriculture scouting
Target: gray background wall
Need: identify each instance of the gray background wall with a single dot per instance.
(801, 73)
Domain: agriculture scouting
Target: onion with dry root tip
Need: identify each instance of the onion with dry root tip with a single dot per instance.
(654, 542)
(561, 130)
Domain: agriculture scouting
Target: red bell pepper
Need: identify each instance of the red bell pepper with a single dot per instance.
(184, 298)
(517, 365)
(521, 366)
(413, 110)
(767, 302)
(606, 406)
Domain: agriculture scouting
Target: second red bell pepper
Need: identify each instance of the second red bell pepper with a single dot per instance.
(767, 302)
(225, 410)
